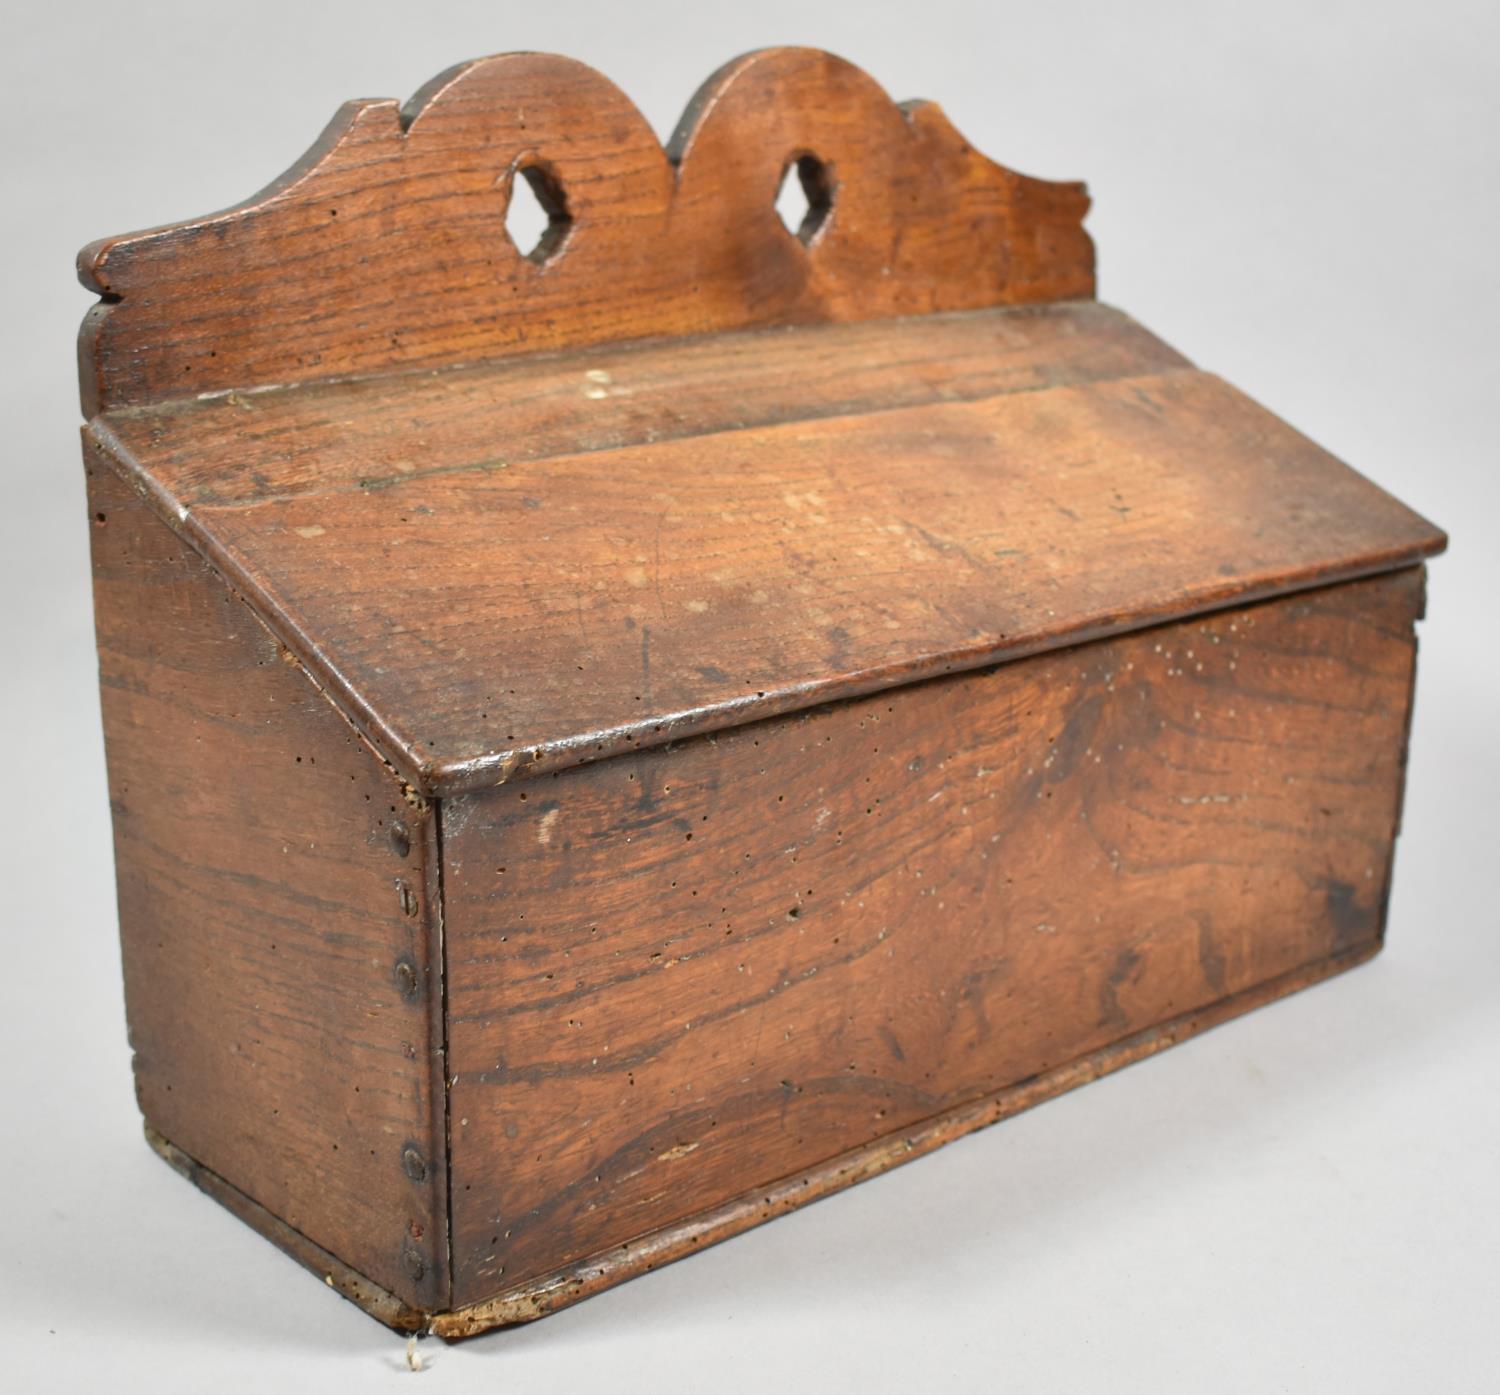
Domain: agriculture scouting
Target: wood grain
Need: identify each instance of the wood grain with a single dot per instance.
(611, 741)
(356, 1287)
(678, 974)
(265, 910)
(374, 434)
(491, 588)
(385, 246)
(581, 1278)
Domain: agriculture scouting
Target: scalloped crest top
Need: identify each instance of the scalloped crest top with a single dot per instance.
(385, 246)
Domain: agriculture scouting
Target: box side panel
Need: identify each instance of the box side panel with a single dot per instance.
(683, 974)
(276, 918)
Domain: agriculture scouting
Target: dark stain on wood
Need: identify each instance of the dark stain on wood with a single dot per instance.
(1006, 871)
(281, 996)
(610, 742)
(472, 647)
(384, 247)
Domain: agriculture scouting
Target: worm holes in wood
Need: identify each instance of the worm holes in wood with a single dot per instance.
(537, 220)
(804, 200)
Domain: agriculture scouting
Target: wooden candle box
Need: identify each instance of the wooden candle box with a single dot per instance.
(611, 742)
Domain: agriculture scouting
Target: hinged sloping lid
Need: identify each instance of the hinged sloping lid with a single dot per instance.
(543, 561)
(510, 566)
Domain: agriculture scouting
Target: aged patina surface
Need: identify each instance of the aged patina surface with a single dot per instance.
(612, 740)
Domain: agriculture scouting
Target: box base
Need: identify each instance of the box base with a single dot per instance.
(538, 1297)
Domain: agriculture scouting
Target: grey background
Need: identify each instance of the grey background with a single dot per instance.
(1301, 197)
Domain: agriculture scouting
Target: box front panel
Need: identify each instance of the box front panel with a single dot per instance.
(677, 976)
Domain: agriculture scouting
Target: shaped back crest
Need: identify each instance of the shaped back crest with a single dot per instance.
(385, 247)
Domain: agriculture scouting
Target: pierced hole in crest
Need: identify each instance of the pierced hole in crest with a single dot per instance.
(804, 200)
(537, 219)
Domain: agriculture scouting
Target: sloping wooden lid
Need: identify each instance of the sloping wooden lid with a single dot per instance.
(506, 567)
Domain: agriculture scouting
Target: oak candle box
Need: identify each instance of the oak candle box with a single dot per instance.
(615, 739)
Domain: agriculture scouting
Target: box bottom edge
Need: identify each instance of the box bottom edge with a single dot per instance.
(537, 1297)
